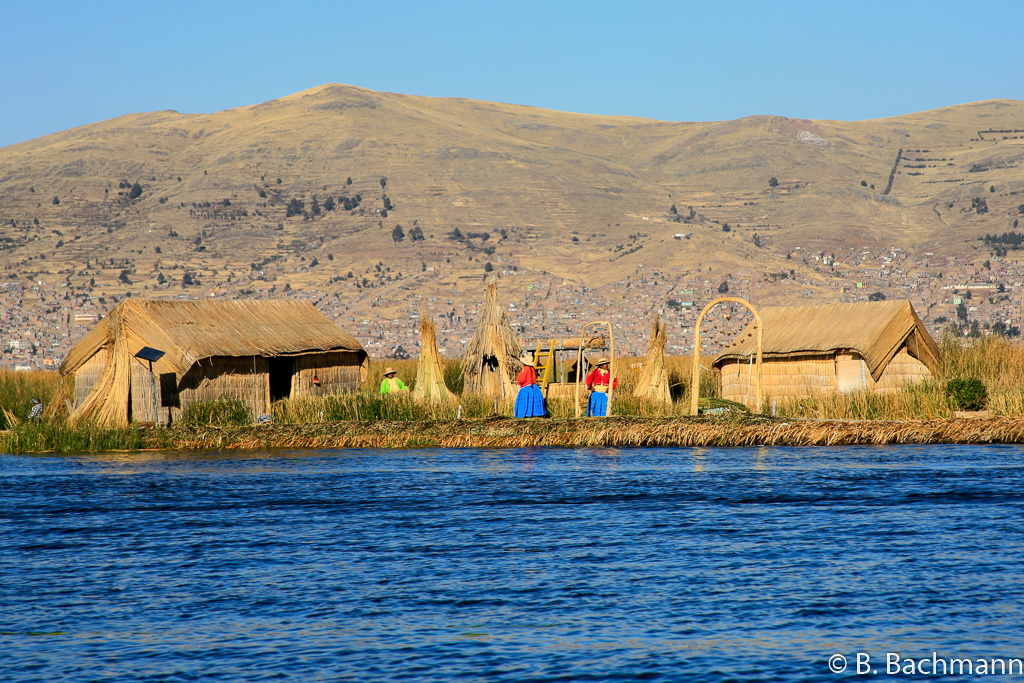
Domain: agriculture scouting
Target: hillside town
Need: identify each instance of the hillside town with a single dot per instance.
(44, 318)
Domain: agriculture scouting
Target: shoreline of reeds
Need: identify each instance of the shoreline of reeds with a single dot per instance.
(504, 432)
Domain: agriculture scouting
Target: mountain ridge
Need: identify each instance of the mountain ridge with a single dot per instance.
(594, 201)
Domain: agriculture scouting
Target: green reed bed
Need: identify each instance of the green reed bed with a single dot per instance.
(17, 389)
(60, 438)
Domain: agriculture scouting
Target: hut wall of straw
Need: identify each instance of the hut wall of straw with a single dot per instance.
(903, 369)
(339, 372)
(798, 377)
(227, 378)
(87, 376)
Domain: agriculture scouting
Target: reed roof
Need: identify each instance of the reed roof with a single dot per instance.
(189, 331)
(876, 330)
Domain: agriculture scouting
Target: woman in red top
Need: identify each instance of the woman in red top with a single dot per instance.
(530, 399)
(598, 382)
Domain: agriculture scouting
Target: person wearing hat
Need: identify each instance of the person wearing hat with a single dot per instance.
(36, 415)
(530, 399)
(391, 384)
(598, 381)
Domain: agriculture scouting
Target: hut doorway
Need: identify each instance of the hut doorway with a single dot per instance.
(281, 371)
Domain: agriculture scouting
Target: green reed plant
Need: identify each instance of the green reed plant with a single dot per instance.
(17, 389)
(225, 413)
(61, 438)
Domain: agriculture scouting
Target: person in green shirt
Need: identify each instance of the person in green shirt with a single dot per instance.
(391, 384)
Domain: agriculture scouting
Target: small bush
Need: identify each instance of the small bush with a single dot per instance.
(223, 413)
(967, 394)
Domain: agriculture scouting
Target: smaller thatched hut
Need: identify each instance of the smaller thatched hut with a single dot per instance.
(147, 361)
(870, 346)
(491, 362)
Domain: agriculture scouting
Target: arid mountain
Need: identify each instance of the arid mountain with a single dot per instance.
(384, 201)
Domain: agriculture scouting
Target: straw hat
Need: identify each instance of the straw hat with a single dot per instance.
(526, 361)
(389, 371)
(601, 361)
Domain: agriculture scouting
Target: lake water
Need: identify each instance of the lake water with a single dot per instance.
(509, 565)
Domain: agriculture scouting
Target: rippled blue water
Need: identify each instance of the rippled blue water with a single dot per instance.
(507, 565)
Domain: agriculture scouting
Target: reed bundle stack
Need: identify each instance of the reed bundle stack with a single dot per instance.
(491, 362)
(653, 381)
(430, 384)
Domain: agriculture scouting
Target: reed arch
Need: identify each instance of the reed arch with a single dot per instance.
(695, 378)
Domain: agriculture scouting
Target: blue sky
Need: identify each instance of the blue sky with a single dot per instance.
(66, 64)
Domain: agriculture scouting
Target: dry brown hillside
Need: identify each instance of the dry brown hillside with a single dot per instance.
(152, 203)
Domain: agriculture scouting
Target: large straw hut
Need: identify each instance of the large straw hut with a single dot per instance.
(492, 359)
(253, 351)
(872, 346)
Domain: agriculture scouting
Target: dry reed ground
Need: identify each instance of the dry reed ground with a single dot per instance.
(502, 432)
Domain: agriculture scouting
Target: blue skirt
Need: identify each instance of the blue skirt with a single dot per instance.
(530, 402)
(597, 406)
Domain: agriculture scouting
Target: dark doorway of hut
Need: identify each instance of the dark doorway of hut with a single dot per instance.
(281, 370)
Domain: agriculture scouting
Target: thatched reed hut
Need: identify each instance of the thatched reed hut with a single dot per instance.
(492, 359)
(253, 351)
(871, 346)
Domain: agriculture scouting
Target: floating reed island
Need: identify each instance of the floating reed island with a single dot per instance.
(617, 432)
(321, 391)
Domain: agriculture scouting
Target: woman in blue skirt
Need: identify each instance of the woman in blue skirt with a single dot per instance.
(530, 399)
(598, 381)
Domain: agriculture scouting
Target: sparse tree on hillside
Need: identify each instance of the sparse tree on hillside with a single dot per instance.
(773, 182)
(135, 192)
(723, 288)
(398, 234)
